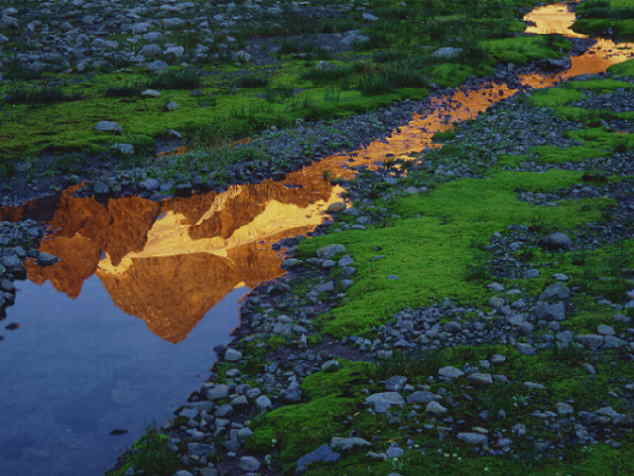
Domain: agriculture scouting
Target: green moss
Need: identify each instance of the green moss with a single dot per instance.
(151, 455)
(302, 427)
(523, 49)
(551, 97)
(599, 137)
(451, 74)
(600, 85)
(457, 216)
(322, 384)
(625, 69)
(622, 29)
(558, 155)
(580, 114)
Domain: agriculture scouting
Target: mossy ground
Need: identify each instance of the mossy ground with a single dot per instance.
(226, 111)
(431, 255)
(431, 246)
(337, 410)
(600, 17)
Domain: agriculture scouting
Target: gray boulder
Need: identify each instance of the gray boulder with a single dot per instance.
(447, 52)
(381, 402)
(345, 444)
(108, 126)
(323, 454)
(556, 241)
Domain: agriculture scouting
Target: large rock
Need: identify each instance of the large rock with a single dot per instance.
(591, 341)
(450, 372)
(550, 311)
(447, 52)
(330, 251)
(381, 402)
(157, 66)
(151, 50)
(555, 291)
(218, 391)
(249, 463)
(473, 438)
(345, 444)
(108, 126)
(556, 241)
(323, 454)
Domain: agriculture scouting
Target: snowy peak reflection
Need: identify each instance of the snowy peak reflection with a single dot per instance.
(169, 263)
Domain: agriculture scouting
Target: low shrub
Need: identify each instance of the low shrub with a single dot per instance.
(183, 79)
(41, 95)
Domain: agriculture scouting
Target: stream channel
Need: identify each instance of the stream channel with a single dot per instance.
(83, 362)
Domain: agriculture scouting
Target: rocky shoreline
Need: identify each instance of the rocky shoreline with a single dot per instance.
(219, 431)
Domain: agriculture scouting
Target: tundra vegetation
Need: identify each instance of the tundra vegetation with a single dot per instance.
(409, 50)
(491, 290)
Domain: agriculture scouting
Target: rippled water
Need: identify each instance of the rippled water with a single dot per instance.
(83, 363)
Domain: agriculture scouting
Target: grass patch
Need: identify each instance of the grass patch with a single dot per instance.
(613, 17)
(151, 455)
(301, 428)
(523, 49)
(457, 218)
(625, 69)
(552, 97)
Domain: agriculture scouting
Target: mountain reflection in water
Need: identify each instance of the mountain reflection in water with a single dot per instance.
(169, 263)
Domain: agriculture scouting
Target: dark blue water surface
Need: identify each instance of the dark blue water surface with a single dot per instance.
(77, 369)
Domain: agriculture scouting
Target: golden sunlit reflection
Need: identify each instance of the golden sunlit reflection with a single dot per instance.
(168, 263)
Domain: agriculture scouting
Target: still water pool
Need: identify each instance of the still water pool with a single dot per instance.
(77, 369)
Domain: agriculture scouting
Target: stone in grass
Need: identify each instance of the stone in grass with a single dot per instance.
(435, 408)
(473, 438)
(590, 341)
(151, 93)
(330, 366)
(232, 355)
(526, 349)
(605, 330)
(157, 66)
(249, 463)
(450, 372)
(263, 403)
(330, 250)
(150, 184)
(344, 444)
(381, 402)
(171, 106)
(125, 149)
(564, 408)
(556, 241)
(421, 396)
(447, 52)
(109, 126)
(551, 311)
(323, 454)
(481, 378)
(555, 291)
